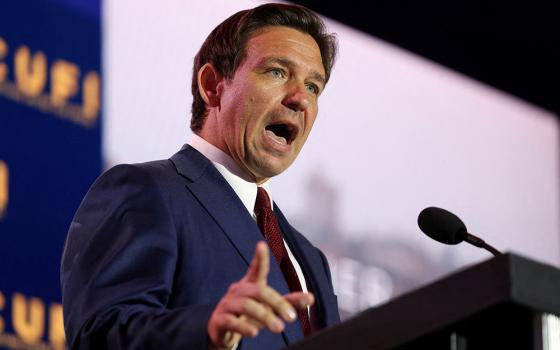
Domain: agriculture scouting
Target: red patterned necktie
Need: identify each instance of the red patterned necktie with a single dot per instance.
(266, 220)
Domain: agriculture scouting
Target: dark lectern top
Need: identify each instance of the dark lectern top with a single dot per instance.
(501, 280)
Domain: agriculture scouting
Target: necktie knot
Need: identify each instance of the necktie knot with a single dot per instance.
(262, 204)
(268, 225)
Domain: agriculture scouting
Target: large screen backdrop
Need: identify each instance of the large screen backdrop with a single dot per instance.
(50, 152)
(395, 133)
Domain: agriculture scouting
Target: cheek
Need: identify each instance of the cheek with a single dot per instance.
(255, 112)
(310, 121)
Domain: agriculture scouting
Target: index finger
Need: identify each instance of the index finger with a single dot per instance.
(260, 265)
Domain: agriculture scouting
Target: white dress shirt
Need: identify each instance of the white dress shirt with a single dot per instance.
(245, 189)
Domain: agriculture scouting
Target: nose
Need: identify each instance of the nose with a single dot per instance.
(297, 98)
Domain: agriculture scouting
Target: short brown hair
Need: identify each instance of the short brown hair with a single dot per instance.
(225, 48)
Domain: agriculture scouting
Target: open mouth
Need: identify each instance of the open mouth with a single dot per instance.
(283, 133)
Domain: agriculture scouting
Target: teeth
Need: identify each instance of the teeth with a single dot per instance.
(277, 138)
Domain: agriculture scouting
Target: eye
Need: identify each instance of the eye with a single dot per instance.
(276, 72)
(314, 89)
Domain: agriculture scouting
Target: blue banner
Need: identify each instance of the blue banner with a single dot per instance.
(50, 153)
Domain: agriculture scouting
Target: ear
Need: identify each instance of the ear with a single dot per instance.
(209, 84)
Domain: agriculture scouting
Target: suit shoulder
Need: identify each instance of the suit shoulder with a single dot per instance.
(153, 172)
(142, 182)
(151, 169)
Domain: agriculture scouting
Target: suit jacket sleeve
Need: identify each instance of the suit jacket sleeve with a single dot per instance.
(118, 268)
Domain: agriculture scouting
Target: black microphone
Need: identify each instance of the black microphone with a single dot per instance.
(446, 227)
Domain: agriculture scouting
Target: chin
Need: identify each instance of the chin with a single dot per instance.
(268, 169)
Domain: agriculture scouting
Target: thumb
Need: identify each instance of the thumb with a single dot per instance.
(260, 265)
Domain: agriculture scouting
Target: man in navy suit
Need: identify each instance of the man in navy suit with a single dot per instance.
(168, 254)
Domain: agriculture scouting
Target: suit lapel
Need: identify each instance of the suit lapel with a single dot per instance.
(222, 203)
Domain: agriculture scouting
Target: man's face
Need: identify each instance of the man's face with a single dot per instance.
(268, 108)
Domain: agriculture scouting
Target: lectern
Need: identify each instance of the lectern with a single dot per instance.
(507, 302)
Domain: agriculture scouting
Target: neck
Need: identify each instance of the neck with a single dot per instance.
(222, 155)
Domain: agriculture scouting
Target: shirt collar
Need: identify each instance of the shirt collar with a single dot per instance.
(245, 189)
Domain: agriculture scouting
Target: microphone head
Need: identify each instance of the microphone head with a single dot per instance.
(442, 225)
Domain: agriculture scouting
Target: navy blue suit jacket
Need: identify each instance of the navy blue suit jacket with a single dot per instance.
(152, 249)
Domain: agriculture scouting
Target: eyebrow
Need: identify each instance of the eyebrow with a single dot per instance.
(291, 64)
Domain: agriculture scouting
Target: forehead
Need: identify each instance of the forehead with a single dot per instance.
(287, 43)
